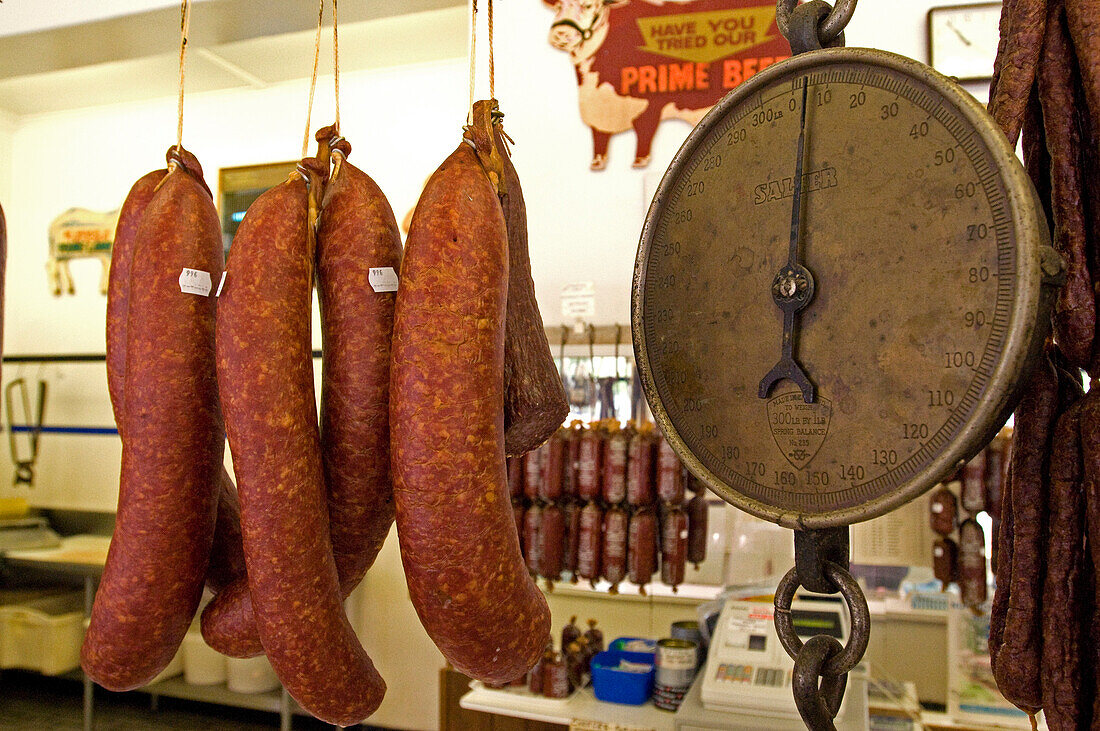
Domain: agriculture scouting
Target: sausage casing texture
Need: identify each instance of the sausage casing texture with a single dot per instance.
(945, 560)
(265, 376)
(942, 511)
(972, 564)
(1022, 26)
(642, 547)
(1075, 307)
(172, 451)
(1062, 628)
(572, 461)
(553, 466)
(357, 231)
(532, 542)
(590, 465)
(972, 495)
(1002, 567)
(532, 471)
(697, 529)
(118, 284)
(534, 397)
(994, 478)
(484, 613)
(1090, 455)
(1018, 659)
(640, 490)
(674, 539)
(590, 543)
(515, 477)
(552, 542)
(615, 532)
(572, 514)
(227, 554)
(1083, 19)
(616, 449)
(670, 474)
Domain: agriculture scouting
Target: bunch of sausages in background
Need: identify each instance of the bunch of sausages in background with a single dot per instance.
(1044, 634)
(958, 555)
(604, 501)
(423, 392)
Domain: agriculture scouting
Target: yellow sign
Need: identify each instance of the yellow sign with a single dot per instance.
(708, 36)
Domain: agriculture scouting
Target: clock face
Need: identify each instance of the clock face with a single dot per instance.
(922, 237)
(962, 40)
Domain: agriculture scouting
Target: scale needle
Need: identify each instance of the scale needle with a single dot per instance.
(793, 286)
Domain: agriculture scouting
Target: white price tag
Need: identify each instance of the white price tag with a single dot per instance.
(383, 279)
(221, 283)
(195, 281)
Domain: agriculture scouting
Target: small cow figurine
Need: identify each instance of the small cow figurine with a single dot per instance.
(634, 68)
(78, 233)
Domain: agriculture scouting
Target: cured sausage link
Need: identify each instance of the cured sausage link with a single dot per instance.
(1023, 23)
(265, 375)
(357, 231)
(1075, 308)
(227, 553)
(172, 453)
(459, 547)
(118, 285)
(1062, 596)
(1018, 659)
(534, 396)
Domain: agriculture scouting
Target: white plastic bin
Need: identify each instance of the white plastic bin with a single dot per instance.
(202, 665)
(43, 634)
(250, 675)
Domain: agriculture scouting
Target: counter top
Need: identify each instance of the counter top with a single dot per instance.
(81, 554)
(581, 706)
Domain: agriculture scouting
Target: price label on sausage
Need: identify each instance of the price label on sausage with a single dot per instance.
(195, 281)
(383, 279)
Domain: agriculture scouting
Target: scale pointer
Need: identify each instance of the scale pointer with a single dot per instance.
(793, 286)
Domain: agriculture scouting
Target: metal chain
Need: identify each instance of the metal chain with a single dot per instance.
(857, 609)
(821, 665)
(818, 694)
(829, 29)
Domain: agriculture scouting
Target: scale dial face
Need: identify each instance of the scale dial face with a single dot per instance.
(927, 250)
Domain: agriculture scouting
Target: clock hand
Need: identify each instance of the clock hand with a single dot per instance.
(793, 286)
(962, 38)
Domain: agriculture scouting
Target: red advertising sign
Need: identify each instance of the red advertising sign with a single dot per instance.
(639, 62)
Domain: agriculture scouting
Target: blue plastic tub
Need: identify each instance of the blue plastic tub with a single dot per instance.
(622, 686)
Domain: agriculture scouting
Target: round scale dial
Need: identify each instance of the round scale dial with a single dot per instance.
(840, 281)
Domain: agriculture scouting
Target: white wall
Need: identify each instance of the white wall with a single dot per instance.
(402, 122)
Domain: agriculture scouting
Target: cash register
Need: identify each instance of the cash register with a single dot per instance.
(746, 682)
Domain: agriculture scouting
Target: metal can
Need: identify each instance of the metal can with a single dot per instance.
(675, 663)
(688, 629)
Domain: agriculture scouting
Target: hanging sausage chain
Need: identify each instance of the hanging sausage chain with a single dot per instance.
(1044, 621)
(605, 501)
(408, 430)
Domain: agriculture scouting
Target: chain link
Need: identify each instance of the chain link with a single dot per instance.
(849, 589)
(817, 693)
(829, 29)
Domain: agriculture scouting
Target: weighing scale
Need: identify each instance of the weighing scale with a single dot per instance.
(843, 278)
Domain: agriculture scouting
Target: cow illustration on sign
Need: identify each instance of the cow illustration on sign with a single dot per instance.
(641, 61)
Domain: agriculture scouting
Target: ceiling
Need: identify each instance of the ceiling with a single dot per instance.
(232, 43)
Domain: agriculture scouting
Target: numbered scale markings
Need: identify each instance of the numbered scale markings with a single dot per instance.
(919, 250)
